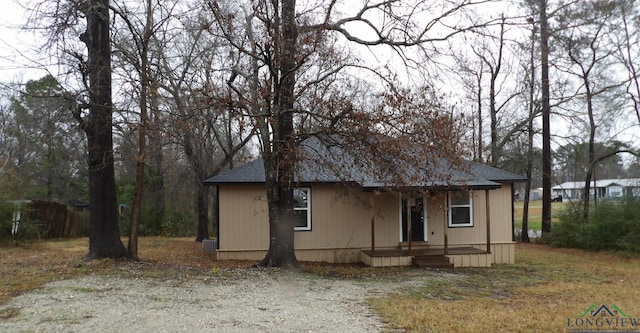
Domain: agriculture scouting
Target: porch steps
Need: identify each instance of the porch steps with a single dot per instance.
(432, 261)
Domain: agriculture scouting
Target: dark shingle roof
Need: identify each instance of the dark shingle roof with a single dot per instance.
(248, 173)
(495, 174)
(326, 164)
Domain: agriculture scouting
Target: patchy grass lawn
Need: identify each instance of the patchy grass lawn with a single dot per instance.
(538, 294)
(30, 264)
(535, 213)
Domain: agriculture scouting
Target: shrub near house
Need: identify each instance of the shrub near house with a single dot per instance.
(612, 225)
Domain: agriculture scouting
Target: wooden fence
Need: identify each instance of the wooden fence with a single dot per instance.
(55, 220)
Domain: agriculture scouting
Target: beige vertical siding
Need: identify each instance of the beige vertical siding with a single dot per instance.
(471, 260)
(244, 222)
(386, 261)
(502, 253)
(341, 224)
(241, 255)
(501, 201)
(436, 218)
(322, 255)
(387, 228)
(500, 219)
(340, 219)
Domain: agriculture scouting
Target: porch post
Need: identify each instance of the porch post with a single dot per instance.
(446, 225)
(372, 212)
(409, 236)
(488, 221)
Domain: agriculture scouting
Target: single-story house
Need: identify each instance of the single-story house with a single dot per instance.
(603, 189)
(467, 220)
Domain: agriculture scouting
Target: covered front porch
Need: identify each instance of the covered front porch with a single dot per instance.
(455, 234)
(458, 256)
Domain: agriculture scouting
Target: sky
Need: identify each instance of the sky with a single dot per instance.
(17, 52)
(16, 45)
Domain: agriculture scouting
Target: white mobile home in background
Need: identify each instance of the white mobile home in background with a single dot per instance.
(602, 189)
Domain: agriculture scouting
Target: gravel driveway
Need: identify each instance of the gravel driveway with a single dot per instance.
(250, 301)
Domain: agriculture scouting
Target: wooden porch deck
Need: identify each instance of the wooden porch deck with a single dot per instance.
(419, 252)
(460, 256)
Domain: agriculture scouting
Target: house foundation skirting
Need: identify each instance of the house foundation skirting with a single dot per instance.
(386, 261)
(468, 255)
(501, 253)
(315, 255)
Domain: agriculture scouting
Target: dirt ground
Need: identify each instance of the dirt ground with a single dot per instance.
(235, 300)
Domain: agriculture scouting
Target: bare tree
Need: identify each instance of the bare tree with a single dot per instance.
(203, 117)
(590, 60)
(139, 56)
(494, 70)
(471, 77)
(280, 44)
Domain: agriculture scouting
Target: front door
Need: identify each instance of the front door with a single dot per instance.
(416, 206)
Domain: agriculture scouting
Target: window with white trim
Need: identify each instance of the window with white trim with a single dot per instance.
(302, 208)
(460, 209)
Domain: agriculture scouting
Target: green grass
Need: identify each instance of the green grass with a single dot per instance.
(535, 213)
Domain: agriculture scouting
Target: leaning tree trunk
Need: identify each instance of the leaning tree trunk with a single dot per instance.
(591, 154)
(279, 165)
(104, 234)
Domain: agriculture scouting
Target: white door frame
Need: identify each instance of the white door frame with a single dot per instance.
(424, 218)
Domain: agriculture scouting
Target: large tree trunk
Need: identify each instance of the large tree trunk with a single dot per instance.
(546, 111)
(279, 165)
(281, 216)
(104, 234)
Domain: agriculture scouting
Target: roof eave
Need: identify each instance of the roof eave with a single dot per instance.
(432, 188)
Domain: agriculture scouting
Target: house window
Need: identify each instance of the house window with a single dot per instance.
(302, 208)
(616, 191)
(460, 209)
